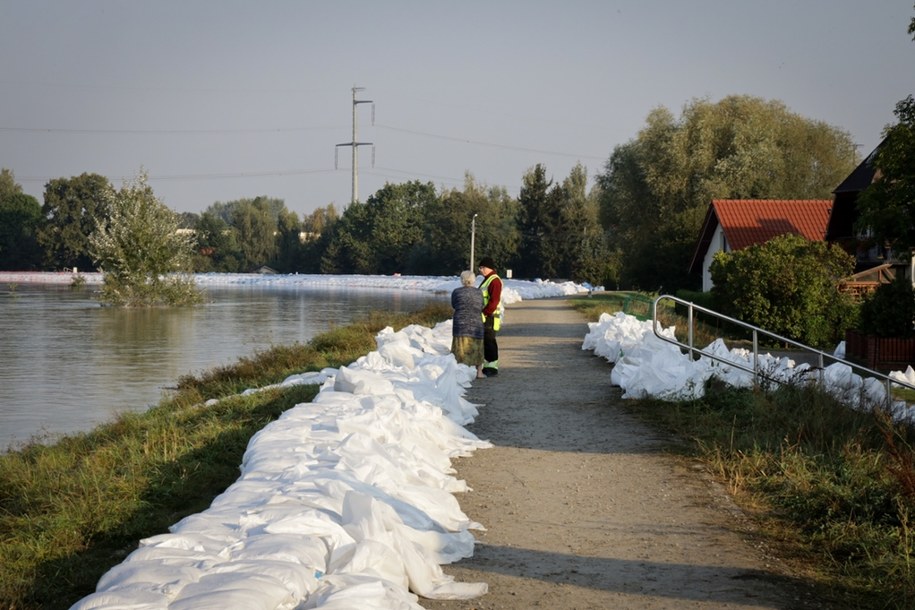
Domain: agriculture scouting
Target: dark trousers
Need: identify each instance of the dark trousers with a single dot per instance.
(490, 347)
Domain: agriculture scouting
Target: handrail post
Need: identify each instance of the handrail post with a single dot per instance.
(690, 321)
(755, 358)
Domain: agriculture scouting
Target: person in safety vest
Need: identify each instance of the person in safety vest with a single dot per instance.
(492, 315)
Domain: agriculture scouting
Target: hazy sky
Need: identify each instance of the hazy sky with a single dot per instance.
(221, 100)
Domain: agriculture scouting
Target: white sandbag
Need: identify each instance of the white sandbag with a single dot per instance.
(222, 590)
(151, 574)
(368, 519)
(141, 598)
(906, 377)
(299, 579)
(350, 591)
(361, 381)
(309, 551)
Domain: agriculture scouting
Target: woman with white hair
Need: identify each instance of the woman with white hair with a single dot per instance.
(467, 329)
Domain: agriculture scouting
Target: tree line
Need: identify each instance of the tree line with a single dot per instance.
(408, 228)
(634, 227)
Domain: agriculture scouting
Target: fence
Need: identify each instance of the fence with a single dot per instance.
(820, 356)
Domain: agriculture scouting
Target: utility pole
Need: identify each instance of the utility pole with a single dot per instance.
(473, 235)
(354, 144)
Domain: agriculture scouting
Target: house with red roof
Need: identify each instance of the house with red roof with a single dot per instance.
(734, 224)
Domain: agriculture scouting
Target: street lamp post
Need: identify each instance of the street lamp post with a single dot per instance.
(473, 234)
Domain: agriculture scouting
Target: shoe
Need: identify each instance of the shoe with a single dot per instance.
(490, 372)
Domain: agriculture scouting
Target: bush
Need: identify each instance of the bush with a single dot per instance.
(787, 286)
(702, 299)
(890, 310)
(141, 252)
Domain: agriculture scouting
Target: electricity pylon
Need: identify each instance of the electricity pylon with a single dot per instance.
(354, 144)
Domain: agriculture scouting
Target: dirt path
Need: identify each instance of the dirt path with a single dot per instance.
(583, 508)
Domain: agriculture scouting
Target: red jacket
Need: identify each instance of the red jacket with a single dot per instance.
(495, 294)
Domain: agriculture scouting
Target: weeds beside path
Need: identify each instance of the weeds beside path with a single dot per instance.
(584, 507)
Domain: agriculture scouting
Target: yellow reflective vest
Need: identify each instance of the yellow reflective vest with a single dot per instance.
(497, 314)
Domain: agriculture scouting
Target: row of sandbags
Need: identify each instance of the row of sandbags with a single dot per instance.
(345, 502)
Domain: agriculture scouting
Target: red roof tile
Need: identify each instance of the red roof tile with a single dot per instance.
(747, 222)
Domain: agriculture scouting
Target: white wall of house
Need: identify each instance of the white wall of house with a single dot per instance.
(718, 243)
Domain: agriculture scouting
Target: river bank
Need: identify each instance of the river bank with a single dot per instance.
(74, 509)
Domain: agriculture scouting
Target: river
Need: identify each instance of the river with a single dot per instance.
(68, 364)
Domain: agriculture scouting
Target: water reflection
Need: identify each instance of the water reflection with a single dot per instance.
(67, 364)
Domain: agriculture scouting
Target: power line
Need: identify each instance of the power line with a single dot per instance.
(390, 172)
(213, 176)
(490, 144)
(68, 131)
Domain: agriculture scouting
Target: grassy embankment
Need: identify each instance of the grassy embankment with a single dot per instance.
(831, 488)
(71, 510)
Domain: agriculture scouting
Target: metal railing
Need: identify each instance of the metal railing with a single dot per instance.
(821, 356)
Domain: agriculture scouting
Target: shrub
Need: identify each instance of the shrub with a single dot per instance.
(787, 286)
(141, 252)
(890, 310)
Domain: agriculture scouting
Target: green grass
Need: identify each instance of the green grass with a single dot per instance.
(72, 510)
(831, 488)
(634, 303)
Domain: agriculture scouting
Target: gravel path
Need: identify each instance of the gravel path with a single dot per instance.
(582, 505)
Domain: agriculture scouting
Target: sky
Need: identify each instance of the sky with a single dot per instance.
(223, 100)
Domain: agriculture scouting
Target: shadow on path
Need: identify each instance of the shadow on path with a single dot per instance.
(583, 505)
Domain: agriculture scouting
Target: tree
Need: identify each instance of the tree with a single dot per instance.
(887, 207)
(536, 219)
(348, 248)
(446, 225)
(787, 286)
(580, 238)
(188, 220)
(655, 189)
(890, 310)
(496, 227)
(318, 227)
(446, 229)
(560, 233)
(255, 224)
(239, 235)
(8, 184)
(140, 251)
(227, 210)
(377, 236)
(397, 212)
(288, 243)
(319, 221)
(217, 246)
(72, 207)
(20, 217)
